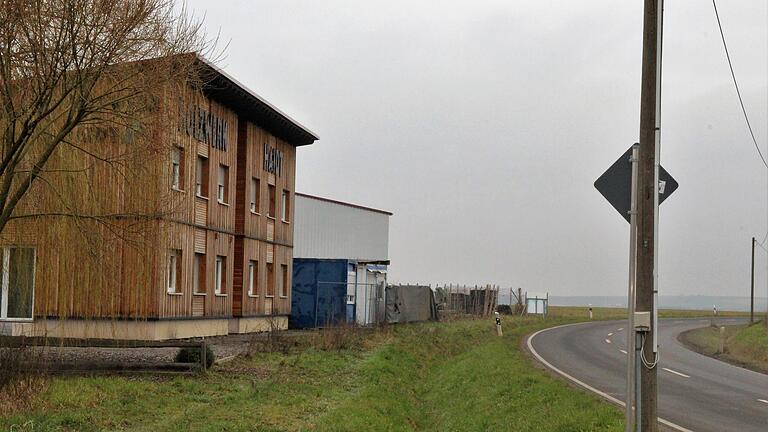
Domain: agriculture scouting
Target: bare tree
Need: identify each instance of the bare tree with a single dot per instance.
(71, 69)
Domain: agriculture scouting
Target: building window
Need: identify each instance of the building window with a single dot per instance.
(222, 193)
(270, 280)
(255, 194)
(253, 275)
(173, 273)
(177, 168)
(198, 274)
(286, 206)
(272, 199)
(201, 177)
(284, 287)
(18, 283)
(220, 278)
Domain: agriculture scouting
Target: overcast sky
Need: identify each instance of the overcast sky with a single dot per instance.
(483, 124)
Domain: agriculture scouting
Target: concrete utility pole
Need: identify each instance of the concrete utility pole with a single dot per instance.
(648, 207)
(752, 287)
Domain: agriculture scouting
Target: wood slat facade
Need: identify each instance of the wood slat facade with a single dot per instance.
(131, 278)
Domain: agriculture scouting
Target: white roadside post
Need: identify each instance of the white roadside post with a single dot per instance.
(498, 324)
(590, 311)
(722, 340)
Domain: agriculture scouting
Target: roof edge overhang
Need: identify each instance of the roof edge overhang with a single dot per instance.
(222, 87)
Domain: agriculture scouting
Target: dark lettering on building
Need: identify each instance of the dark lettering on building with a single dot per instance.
(273, 160)
(206, 127)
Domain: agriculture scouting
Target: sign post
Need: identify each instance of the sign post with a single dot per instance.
(619, 185)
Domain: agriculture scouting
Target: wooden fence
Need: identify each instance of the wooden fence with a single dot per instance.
(467, 300)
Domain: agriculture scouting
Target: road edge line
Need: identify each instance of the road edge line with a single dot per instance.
(583, 384)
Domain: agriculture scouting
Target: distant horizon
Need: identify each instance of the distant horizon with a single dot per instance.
(686, 301)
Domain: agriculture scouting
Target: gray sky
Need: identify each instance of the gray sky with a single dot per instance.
(483, 124)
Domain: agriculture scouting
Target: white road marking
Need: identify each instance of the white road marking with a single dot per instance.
(676, 373)
(610, 334)
(623, 352)
(763, 401)
(620, 329)
(585, 385)
(607, 341)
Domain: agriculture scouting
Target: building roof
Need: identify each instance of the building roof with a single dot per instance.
(224, 88)
(343, 203)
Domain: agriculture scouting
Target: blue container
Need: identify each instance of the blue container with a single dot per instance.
(319, 292)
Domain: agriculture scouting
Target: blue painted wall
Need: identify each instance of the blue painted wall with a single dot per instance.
(319, 292)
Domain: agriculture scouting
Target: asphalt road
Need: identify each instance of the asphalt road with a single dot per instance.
(696, 392)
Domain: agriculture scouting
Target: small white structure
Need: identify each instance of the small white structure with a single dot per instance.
(330, 229)
(537, 303)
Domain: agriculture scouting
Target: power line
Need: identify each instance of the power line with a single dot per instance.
(736, 84)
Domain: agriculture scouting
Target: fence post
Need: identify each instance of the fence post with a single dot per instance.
(203, 355)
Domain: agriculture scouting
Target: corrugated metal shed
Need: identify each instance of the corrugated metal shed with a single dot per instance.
(332, 229)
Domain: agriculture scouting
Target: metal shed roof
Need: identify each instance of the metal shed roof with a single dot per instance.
(343, 203)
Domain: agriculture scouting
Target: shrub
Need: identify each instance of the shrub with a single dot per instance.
(273, 340)
(22, 376)
(339, 337)
(192, 355)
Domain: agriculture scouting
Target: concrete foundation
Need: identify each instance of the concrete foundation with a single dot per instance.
(141, 330)
(257, 324)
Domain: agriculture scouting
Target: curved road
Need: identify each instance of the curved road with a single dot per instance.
(696, 392)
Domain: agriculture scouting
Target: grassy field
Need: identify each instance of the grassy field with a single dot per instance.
(744, 345)
(602, 313)
(432, 376)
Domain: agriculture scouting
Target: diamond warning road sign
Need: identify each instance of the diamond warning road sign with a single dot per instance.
(616, 184)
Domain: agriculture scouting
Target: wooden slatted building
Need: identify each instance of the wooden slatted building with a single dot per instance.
(219, 261)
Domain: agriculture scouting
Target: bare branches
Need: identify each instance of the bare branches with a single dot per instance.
(70, 65)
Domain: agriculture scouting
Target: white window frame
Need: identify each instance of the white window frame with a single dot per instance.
(171, 281)
(255, 184)
(252, 283)
(196, 261)
(222, 178)
(199, 164)
(5, 281)
(284, 205)
(218, 270)
(176, 159)
(271, 280)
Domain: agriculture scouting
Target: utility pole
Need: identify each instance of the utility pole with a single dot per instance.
(648, 206)
(752, 287)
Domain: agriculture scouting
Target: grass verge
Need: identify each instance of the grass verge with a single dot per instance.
(745, 346)
(430, 376)
(419, 377)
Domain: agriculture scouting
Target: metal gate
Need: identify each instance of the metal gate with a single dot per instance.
(365, 302)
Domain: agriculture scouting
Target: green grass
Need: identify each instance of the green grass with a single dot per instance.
(454, 376)
(744, 345)
(604, 313)
(431, 376)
